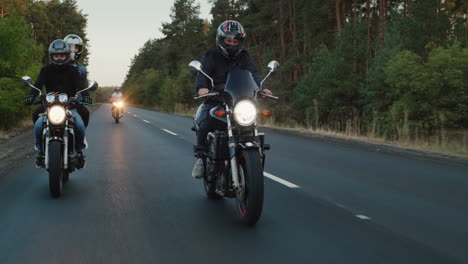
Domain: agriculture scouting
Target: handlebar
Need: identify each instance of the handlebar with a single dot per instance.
(206, 95)
(269, 96)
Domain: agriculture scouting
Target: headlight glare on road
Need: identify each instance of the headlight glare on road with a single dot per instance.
(56, 114)
(245, 112)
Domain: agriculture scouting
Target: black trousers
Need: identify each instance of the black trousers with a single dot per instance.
(204, 124)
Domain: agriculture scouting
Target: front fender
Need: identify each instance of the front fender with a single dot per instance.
(249, 145)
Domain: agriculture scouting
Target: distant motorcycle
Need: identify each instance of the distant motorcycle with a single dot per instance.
(236, 156)
(117, 110)
(58, 136)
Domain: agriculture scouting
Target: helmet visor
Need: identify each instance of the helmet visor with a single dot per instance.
(232, 41)
(60, 58)
(75, 48)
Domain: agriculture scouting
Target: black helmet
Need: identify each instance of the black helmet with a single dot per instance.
(59, 46)
(74, 41)
(233, 30)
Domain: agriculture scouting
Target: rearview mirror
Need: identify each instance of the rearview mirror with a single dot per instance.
(93, 85)
(195, 66)
(26, 80)
(273, 65)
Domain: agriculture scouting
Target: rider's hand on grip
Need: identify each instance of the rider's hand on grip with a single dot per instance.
(28, 100)
(267, 92)
(88, 99)
(203, 91)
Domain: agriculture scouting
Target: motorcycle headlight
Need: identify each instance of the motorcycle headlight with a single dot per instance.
(56, 114)
(245, 113)
(118, 104)
(50, 98)
(63, 98)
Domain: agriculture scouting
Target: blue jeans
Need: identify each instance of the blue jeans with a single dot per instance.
(79, 131)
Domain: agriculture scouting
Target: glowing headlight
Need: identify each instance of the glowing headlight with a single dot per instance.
(245, 113)
(56, 114)
(50, 98)
(118, 104)
(63, 98)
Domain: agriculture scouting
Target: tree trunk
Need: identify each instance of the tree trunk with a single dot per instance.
(338, 16)
(368, 33)
(355, 10)
(281, 21)
(257, 53)
(382, 18)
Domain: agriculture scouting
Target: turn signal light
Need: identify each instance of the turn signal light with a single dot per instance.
(266, 112)
(220, 113)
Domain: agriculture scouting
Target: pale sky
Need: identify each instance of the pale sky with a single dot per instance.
(117, 29)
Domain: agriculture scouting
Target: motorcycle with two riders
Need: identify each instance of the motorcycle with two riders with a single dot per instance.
(58, 137)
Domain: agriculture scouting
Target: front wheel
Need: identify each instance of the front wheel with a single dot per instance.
(55, 168)
(250, 168)
(117, 115)
(66, 176)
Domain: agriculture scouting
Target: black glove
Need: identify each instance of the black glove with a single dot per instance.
(88, 99)
(28, 100)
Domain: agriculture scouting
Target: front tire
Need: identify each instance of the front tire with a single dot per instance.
(66, 176)
(55, 168)
(251, 206)
(117, 116)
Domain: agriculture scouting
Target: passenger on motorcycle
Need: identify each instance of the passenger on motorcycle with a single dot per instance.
(217, 63)
(76, 49)
(59, 77)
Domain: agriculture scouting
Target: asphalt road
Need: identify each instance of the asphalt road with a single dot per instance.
(136, 202)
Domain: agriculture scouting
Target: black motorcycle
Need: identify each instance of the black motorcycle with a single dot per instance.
(58, 136)
(236, 157)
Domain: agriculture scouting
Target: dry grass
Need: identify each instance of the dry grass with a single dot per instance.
(23, 125)
(444, 142)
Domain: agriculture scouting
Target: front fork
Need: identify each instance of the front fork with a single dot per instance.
(232, 152)
(64, 140)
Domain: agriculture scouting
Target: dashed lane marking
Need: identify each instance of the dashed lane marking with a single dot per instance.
(170, 132)
(146, 121)
(363, 217)
(277, 179)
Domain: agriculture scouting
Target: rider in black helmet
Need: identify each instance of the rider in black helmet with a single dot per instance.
(59, 77)
(217, 63)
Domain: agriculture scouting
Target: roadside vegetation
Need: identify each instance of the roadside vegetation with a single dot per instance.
(27, 28)
(389, 70)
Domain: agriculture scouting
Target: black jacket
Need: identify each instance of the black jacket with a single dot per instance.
(217, 66)
(63, 79)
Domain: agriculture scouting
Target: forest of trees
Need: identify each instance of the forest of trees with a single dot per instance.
(385, 68)
(394, 69)
(27, 27)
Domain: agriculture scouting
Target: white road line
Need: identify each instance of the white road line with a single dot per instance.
(340, 205)
(135, 115)
(363, 217)
(284, 182)
(170, 132)
(146, 121)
